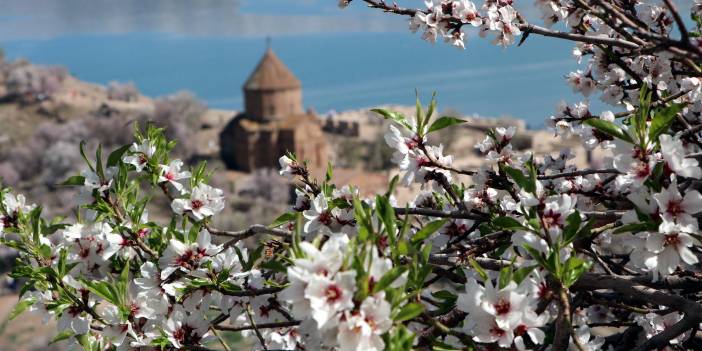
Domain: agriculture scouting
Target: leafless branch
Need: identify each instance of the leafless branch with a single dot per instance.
(438, 213)
(259, 326)
(249, 232)
(578, 173)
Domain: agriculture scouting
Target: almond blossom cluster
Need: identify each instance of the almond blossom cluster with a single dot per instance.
(321, 293)
(445, 18)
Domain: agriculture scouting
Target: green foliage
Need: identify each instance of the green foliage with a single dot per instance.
(393, 116)
(283, 219)
(409, 311)
(609, 128)
(444, 122)
(662, 120)
(428, 229)
(507, 223)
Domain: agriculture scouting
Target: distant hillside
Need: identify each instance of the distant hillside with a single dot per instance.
(45, 113)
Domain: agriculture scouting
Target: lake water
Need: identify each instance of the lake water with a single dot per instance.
(340, 69)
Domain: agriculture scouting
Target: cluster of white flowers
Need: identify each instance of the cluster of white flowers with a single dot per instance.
(445, 19)
(503, 315)
(415, 157)
(321, 293)
(14, 205)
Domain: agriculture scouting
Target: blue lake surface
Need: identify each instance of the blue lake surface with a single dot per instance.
(339, 69)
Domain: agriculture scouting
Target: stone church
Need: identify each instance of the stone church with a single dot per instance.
(273, 122)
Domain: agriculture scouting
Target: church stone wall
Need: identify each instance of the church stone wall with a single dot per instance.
(268, 105)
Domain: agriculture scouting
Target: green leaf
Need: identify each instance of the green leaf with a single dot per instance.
(45, 251)
(431, 108)
(98, 162)
(409, 311)
(524, 181)
(393, 116)
(330, 172)
(393, 184)
(116, 156)
(429, 229)
(102, 289)
(507, 223)
(274, 266)
(365, 227)
(35, 219)
(253, 257)
(388, 278)
(635, 228)
(519, 177)
(20, 307)
(505, 276)
(608, 128)
(520, 274)
(573, 222)
(402, 248)
(444, 295)
(62, 336)
(419, 115)
(662, 120)
(481, 272)
(573, 270)
(444, 122)
(531, 167)
(283, 219)
(81, 147)
(74, 181)
(400, 339)
(554, 262)
(387, 215)
(536, 254)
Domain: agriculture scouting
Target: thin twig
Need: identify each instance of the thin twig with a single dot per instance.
(255, 328)
(259, 326)
(246, 233)
(438, 213)
(578, 173)
(678, 20)
(221, 339)
(251, 292)
(663, 338)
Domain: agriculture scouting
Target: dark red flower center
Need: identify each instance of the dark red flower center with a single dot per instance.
(502, 307)
(196, 204)
(333, 293)
(325, 218)
(672, 240)
(675, 208)
(497, 331)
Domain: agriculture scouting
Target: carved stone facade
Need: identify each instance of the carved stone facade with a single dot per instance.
(273, 122)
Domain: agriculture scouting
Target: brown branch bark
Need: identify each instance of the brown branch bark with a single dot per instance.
(259, 326)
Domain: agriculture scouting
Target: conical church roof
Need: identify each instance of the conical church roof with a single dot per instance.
(271, 74)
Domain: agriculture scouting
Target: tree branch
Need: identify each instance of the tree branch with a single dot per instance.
(437, 213)
(246, 233)
(259, 326)
(578, 173)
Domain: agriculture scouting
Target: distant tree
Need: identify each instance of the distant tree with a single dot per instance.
(180, 114)
(122, 91)
(379, 155)
(8, 175)
(29, 83)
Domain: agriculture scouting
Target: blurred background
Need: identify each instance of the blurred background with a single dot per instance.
(346, 59)
(237, 83)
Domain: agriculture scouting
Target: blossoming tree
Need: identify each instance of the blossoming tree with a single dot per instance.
(528, 254)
